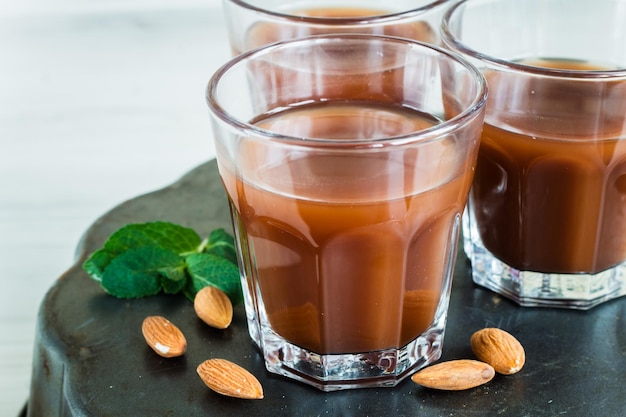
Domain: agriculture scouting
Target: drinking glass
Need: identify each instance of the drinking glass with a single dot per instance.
(347, 160)
(546, 222)
(253, 23)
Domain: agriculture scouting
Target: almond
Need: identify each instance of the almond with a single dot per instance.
(228, 378)
(498, 348)
(454, 375)
(213, 307)
(163, 337)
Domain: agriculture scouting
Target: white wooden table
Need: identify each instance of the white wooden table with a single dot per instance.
(100, 101)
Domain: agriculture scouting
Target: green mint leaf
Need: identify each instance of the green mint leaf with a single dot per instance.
(166, 235)
(173, 278)
(210, 269)
(143, 259)
(175, 272)
(172, 286)
(222, 244)
(97, 262)
(137, 272)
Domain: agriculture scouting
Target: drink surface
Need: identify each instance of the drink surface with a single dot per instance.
(339, 12)
(550, 187)
(566, 64)
(347, 250)
(265, 32)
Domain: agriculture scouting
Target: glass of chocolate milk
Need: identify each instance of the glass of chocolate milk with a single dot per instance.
(347, 160)
(546, 221)
(253, 23)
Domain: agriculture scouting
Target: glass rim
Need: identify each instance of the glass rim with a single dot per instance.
(457, 45)
(433, 133)
(331, 21)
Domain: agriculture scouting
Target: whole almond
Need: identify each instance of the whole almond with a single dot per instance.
(455, 375)
(213, 307)
(498, 348)
(163, 337)
(228, 378)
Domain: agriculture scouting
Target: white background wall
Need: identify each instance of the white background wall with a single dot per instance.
(100, 101)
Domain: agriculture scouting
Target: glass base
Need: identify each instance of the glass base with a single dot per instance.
(333, 372)
(535, 289)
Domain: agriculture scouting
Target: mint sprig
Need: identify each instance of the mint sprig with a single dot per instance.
(143, 259)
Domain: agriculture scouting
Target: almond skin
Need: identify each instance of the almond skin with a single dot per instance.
(456, 375)
(163, 337)
(213, 307)
(500, 349)
(228, 378)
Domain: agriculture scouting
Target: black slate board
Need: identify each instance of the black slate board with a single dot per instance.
(90, 358)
